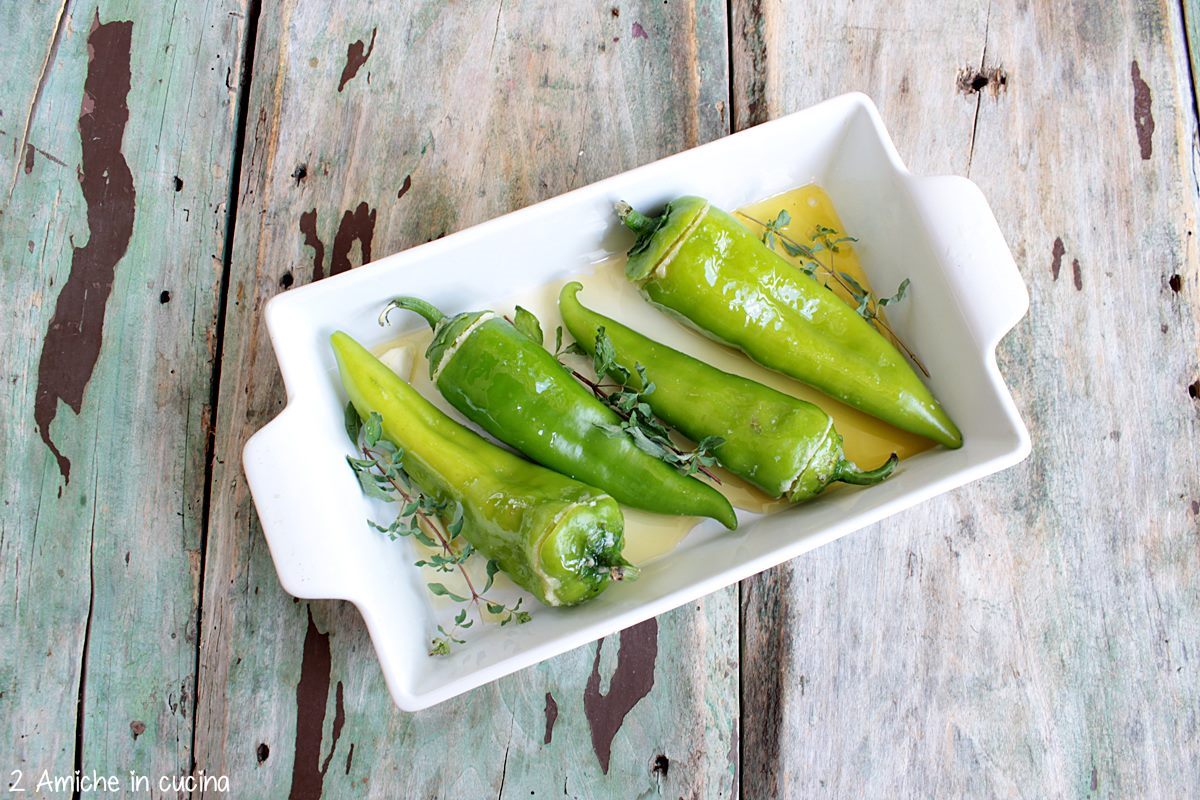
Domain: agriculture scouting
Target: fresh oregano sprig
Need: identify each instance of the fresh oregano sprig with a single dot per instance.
(827, 239)
(381, 474)
(637, 420)
(868, 305)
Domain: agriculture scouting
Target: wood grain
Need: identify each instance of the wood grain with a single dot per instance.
(371, 129)
(1191, 31)
(116, 139)
(1034, 634)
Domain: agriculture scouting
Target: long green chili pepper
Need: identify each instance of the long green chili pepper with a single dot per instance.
(783, 445)
(702, 266)
(514, 389)
(555, 537)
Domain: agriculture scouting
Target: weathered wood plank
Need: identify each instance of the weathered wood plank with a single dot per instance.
(112, 228)
(371, 130)
(1191, 31)
(1035, 634)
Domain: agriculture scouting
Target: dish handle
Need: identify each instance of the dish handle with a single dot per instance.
(299, 525)
(978, 260)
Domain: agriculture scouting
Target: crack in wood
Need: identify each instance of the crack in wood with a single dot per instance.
(496, 29)
(81, 708)
(987, 26)
(253, 12)
(51, 53)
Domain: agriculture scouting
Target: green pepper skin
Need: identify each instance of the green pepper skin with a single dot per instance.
(509, 385)
(702, 266)
(555, 537)
(783, 445)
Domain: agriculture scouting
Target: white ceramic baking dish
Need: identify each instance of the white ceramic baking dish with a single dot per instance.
(938, 231)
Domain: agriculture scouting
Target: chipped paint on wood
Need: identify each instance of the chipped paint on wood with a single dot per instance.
(633, 679)
(75, 334)
(356, 226)
(113, 269)
(312, 699)
(356, 55)
(1143, 118)
(551, 718)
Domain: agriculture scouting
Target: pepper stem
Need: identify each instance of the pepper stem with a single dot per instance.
(847, 472)
(415, 304)
(623, 570)
(635, 220)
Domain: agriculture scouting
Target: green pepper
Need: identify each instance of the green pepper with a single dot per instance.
(508, 384)
(555, 537)
(700, 265)
(783, 445)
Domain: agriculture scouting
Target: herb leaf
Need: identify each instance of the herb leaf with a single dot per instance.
(352, 423)
(855, 286)
(527, 323)
(604, 359)
(492, 568)
(774, 227)
(898, 296)
(441, 591)
(373, 429)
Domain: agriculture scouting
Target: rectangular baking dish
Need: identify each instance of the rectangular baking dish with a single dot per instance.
(938, 231)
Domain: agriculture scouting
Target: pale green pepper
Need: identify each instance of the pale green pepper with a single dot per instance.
(703, 267)
(557, 538)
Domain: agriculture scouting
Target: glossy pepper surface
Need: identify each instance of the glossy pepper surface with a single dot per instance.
(702, 266)
(783, 445)
(509, 385)
(555, 537)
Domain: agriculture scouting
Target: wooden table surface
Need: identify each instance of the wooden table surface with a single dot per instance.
(168, 168)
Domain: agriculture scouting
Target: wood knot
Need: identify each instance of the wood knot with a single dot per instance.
(972, 81)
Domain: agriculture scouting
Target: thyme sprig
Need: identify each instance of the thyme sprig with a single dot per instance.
(826, 239)
(381, 474)
(638, 422)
